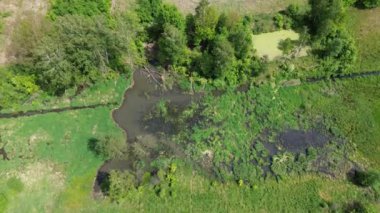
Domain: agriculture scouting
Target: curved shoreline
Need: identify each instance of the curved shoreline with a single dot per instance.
(132, 84)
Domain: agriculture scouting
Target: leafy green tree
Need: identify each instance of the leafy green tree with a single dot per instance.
(80, 50)
(326, 14)
(121, 184)
(170, 15)
(367, 178)
(227, 21)
(349, 2)
(223, 56)
(241, 39)
(286, 46)
(15, 88)
(205, 22)
(80, 7)
(148, 10)
(108, 147)
(339, 46)
(369, 3)
(172, 49)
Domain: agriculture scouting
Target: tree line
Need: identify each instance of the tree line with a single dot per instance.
(81, 42)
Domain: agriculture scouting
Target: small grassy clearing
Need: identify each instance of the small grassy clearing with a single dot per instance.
(266, 44)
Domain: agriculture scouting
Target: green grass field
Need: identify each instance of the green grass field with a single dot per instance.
(365, 26)
(243, 6)
(49, 154)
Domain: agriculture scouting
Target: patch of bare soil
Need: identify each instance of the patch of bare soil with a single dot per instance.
(18, 9)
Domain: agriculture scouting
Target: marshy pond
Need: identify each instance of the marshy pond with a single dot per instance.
(149, 138)
(145, 138)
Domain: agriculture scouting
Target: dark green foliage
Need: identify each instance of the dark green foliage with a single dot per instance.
(170, 15)
(282, 21)
(121, 184)
(108, 147)
(332, 43)
(205, 22)
(172, 49)
(349, 2)
(368, 3)
(287, 46)
(155, 15)
(263, 23)
(80, 7)
(168, 179)
(367, 179)
(297, 15)
(148, 10)
(337, 50)
(326, 14)
(355, 207)
(240, 37)
(222, 54)
(79, 50)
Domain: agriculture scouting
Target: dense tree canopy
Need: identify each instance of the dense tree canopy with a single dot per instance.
(326, 13)
(78, 50)
(205, 22)
(332, 43)
(172, 49)
(80, 7)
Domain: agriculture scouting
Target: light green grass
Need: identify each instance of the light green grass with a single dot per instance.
(50, 154)
(243, 6)
(266, 44)
(67, 168)
(365, 27)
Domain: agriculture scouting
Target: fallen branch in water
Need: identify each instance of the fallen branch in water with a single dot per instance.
(152, 73)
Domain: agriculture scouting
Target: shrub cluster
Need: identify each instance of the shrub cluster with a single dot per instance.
(207, 44)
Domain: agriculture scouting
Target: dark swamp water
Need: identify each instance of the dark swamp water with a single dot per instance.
(147, 140)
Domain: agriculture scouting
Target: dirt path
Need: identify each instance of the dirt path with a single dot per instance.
(18, 10)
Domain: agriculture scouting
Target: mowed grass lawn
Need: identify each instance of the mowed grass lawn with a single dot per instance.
(243, 6)
(365, 26)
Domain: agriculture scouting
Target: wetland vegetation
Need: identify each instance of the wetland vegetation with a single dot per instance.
(170, 106)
